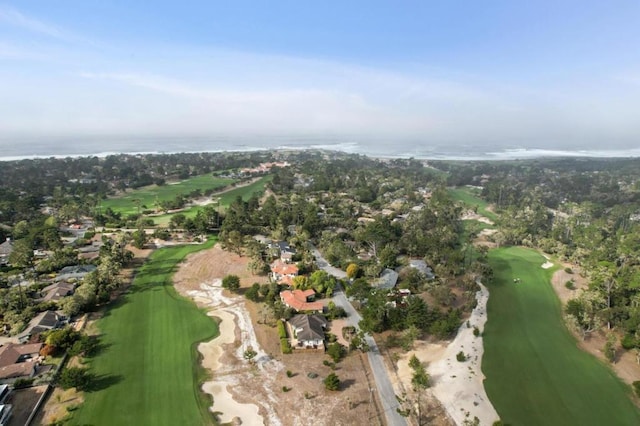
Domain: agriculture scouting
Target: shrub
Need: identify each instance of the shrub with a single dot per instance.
(414, 362)
(332, 382)
(282, 331)
(285, 346)
(336, 351)
(253, 293)
(285, 389)
(420, 379)
(22, 383)
(476, 331)
(569, 285)
(461, 357)
(629, 341)
(568, 270)
(289, 373)
(249, 354)
(74, 377)
(47, 350)
(231, 282)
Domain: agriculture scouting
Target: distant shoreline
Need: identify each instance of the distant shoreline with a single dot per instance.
(499, 154)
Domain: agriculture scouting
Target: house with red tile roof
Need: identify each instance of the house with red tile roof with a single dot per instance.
(301, 300)
(281, 270)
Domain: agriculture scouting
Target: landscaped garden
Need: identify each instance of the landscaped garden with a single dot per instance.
(535, 372)
(148, 372)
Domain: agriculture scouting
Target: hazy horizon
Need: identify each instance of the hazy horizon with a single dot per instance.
(420, 75)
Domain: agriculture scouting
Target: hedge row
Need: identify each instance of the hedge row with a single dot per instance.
(285, 346)
(282, 332)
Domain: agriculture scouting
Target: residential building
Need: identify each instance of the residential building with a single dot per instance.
(307, 331)
(301, 300)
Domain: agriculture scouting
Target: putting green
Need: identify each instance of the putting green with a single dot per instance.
(148, 372)
(535, 372)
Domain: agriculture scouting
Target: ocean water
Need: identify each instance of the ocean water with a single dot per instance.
(376, 147)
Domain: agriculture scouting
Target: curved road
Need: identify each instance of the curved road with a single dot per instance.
(383, 384)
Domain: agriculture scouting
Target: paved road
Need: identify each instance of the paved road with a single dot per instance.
(383, 384)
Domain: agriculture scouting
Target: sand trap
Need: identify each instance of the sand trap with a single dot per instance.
(547, 265)
(470, 215)
(228, 408)
(233, 316)
(459, 385)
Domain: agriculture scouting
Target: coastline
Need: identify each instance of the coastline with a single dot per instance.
(217, 144)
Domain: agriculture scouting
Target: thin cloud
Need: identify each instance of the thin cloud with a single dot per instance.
(17, 19)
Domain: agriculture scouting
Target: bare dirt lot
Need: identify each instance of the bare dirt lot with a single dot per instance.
(24, 401)
(274, 389)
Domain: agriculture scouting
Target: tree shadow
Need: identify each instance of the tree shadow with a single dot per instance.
(98, 346)
(345, 384)
(102, 382)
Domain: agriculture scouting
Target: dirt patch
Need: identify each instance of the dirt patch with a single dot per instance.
(24, 401)
(273, 389)
(625, 365)
(56, 406)
(470, 215)
(560, 278)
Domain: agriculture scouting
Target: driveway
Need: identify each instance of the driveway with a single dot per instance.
(381, 376)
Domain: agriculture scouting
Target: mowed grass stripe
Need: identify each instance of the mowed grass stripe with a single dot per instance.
(149, 367)
(535, 372)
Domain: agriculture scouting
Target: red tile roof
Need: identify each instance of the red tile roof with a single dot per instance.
(281, 268)
(297, 299)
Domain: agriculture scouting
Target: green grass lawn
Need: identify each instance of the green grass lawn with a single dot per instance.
(471, 197)
(225, 199)
(148, 372)
(126, 203)
(535, 373)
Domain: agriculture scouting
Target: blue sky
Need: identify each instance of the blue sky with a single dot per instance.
(532, 74)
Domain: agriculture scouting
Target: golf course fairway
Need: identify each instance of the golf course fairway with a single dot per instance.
(148, 371)
(535, 372)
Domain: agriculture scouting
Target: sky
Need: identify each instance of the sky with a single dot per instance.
(539, 74)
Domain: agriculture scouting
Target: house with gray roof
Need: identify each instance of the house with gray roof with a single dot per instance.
(6, 249)
(307, 331)
(74, 272)
(387, 280)
(44, 321)
(423, 268)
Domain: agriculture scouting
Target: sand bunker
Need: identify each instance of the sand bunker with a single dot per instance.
(232, 318)
(459, 385)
